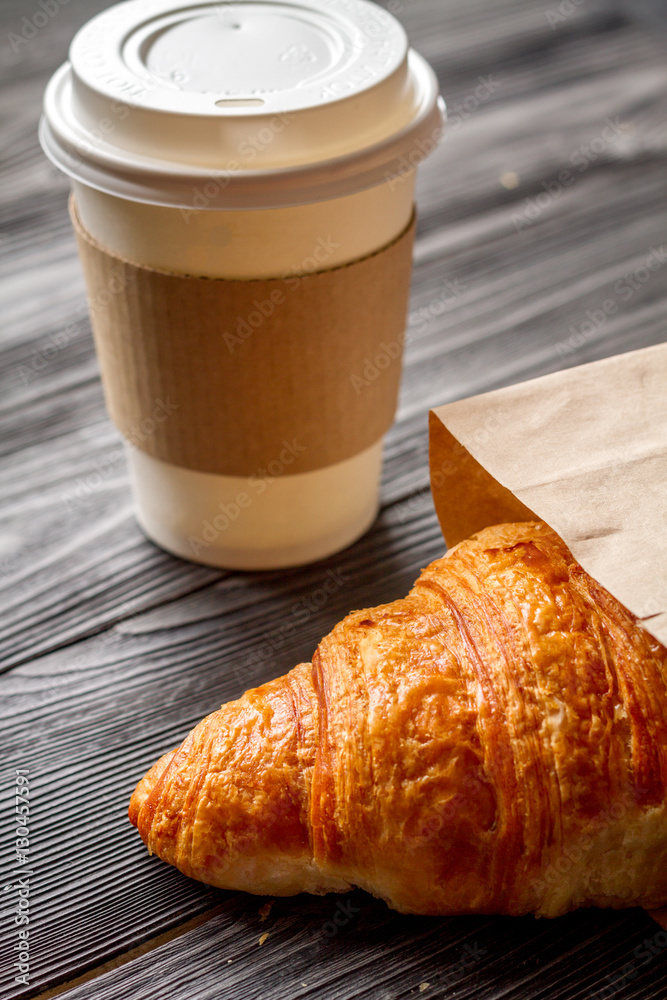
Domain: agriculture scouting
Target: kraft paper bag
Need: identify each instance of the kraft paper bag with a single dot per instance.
(584, 450)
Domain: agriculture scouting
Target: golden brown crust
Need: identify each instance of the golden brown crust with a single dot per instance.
(494, 742)
(230, 806)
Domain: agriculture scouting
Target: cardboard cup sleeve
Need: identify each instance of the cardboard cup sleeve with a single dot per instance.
(227, 372)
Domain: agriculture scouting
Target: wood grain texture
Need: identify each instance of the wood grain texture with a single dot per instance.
(112, 650)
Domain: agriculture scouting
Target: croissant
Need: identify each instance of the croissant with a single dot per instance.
(495, 742)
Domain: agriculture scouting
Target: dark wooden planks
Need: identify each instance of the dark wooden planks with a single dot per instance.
(379, 955)
(115, 649)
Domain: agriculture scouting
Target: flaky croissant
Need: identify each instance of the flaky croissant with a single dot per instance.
(495, 742)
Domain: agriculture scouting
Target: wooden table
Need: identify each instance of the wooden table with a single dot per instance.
(111, 649)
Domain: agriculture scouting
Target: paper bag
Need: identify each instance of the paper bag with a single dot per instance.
(584, 450)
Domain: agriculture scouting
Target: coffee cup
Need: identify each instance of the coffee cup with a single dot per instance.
(243, 196)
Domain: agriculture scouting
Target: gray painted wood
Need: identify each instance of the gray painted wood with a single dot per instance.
(111, 649)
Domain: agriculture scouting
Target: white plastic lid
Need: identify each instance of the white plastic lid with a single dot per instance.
(266, 102)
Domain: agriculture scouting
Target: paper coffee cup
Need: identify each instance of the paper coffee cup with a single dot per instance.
(243, 178)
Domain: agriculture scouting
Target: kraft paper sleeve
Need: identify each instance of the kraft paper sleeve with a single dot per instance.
(227, 373)
(584, 450)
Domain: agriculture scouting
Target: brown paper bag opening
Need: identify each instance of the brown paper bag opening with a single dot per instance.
(584, 450)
